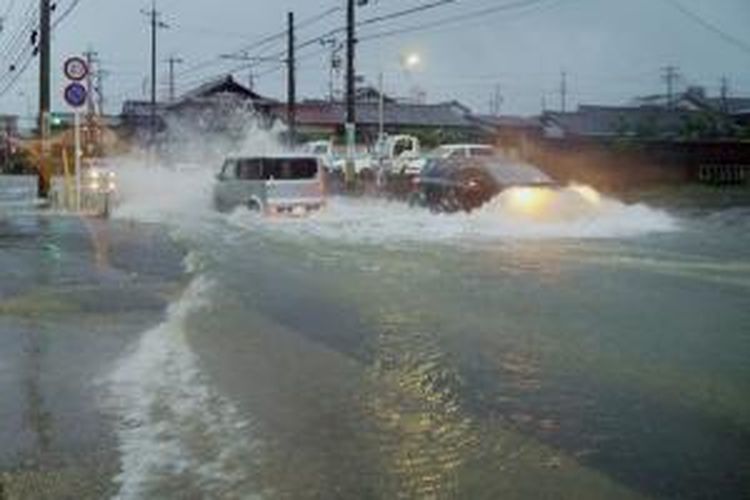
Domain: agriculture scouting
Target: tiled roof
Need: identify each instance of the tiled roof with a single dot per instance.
(509, 121)
(448, 114)
(610, 121)
(221, 85)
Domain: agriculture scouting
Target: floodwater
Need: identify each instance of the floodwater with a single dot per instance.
(375, 351)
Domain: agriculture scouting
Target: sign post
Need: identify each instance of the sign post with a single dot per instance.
(77, 155)
(76, 96)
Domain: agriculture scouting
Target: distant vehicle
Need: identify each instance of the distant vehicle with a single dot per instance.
(455, 151)
(463, 151)
(394, 154)
(399, 152)
(289, 184)
(324, 150)
(98, 189)
(461, 181)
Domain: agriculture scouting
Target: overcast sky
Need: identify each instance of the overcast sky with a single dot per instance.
(611, 50)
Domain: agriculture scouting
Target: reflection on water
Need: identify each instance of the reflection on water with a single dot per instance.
(424, 435)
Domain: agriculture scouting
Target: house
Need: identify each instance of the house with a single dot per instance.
(433, 123)
(214, 106)
(510, 132)
(643, 122)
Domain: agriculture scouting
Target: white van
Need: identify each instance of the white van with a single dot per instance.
(289, 184)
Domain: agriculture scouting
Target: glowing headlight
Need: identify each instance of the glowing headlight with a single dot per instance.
(524, 197)
(529, 199)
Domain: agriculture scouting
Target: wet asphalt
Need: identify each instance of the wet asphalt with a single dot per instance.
(75, 294)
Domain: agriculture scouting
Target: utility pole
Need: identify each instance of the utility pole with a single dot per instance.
(172, 61)
(334, 64)
(670, 77)
(156, 24)
(43, 179)
(351, 119)
(91, 135)
(496, 100)
(563, 91)
(91, 60)
(291, 83)
(350, 71)
(100, 76)
(724, 94)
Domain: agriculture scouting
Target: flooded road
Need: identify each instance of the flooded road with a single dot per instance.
(374, 351)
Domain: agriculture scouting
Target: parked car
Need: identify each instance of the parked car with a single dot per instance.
(460, 182)
(290, 184)
(451, 151)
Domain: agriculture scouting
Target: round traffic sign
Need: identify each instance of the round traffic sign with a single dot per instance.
(75, 95)
(76, 69)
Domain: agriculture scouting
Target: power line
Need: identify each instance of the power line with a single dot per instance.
(23, 33)
(279, 36)
(24, 52)
(713, 28)
(264, 41)
(23, 57)
(406, 12)
(455, 19)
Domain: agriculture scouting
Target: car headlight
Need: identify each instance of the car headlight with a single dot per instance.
(529, 199)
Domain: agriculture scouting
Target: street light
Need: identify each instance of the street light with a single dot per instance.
(411, 61)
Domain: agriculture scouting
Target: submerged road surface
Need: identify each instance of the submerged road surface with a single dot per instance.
(373, 351)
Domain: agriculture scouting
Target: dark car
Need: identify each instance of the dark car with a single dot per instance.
(451, 185)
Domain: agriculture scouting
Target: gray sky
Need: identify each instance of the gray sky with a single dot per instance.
(611, 50)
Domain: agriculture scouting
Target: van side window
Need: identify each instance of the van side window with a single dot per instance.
(249, 170)
(287, 169)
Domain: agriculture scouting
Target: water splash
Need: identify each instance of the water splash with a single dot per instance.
(176, 433)
(576, 212)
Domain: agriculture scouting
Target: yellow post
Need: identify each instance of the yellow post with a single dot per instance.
(67, 180)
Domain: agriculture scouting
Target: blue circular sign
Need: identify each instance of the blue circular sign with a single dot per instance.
(75, 95)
